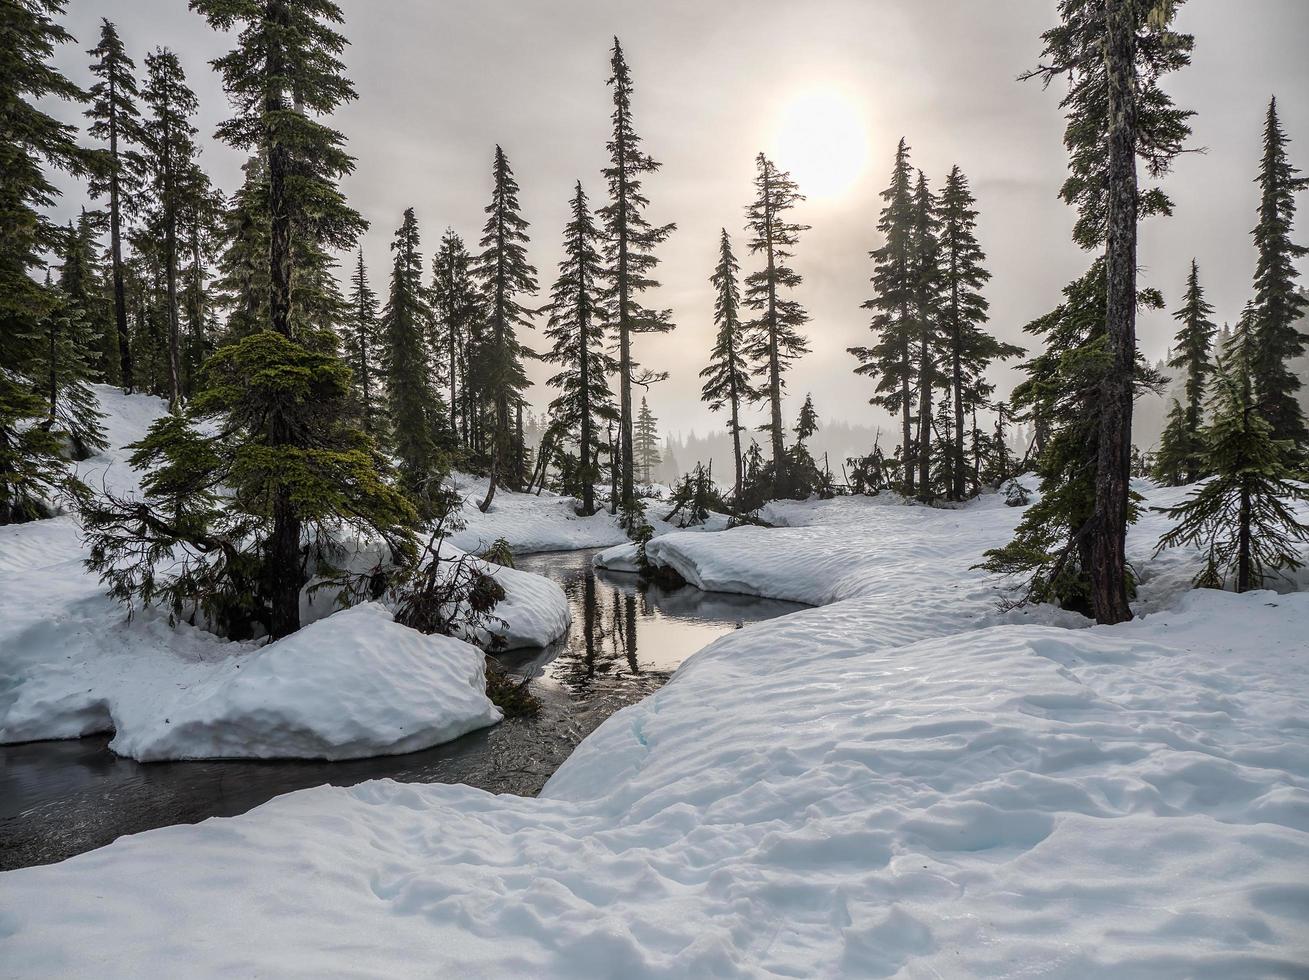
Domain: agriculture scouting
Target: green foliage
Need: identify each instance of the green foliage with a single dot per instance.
(646, 443)
(1242, 518)
(199, 539)
(499, 553)
(1278, 303)
(33, 473)
(1191, 354)
(1179, 449)
(362, 339)
(415, 412)
(695, 498)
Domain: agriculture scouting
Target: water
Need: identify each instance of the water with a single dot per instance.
(61, 798)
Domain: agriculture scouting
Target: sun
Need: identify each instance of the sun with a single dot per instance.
(822, 141)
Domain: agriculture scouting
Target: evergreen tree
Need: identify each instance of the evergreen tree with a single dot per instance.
(970, 348)
(890, 360)
(31, 469)
(646, 442)
(774, 334)
(1278, 303)
(81, 281)
(284, 77)
(629, 254)
(363, 345)
(115, 121)
(414, 409)
(577, 328)
(505, 275)
(168, 141)
(198, 241)
(1178, 449)
(202, 540)
(454, 302)
(727, 378)
(807, 422)
(1193, 344)
(1242, 518)
(927, 314)
(64, 373)
(1086, 377)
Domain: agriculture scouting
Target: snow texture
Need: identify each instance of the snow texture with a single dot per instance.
(903, 782)
(351, 683)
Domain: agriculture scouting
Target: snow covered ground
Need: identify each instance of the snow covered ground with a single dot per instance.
(351, 684)
(548, 522)
(903, 782)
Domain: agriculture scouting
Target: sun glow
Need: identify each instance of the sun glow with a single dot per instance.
(822, 141)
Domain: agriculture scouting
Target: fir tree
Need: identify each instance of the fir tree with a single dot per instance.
(454, 302)
(363, 345)
(31, 470)
(64, 372)
(927, 284)
(577, 329)
(727, 378)
(890, 360)
(970, 348)
(1242, 518)
(414, 409)
(774, 334)
(168, 141)
(1193, 344)
(505, 275)
(1278, 303)
(115, 121)
(81, 281)
(646, 443)
(283, 77)
(202, 540)
(806, 423)
(629, 254)
(198, 241)
(1113, 55)
(1179, 449)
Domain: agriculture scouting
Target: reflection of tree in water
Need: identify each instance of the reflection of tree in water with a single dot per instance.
(607, 644)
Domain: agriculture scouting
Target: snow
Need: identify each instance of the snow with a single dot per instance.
(904, 782)
(349, 684)
(533, 523)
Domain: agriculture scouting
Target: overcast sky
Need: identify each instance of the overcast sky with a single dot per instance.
(440, 83)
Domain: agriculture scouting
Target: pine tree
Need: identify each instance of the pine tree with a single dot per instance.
(774, 334)
(64, 372)
(284, 77)
(970, 348)
(1242, 518)
(1278, 303)
(646, 442)
(928, 341)
(629, 254)
(1191, 355)
(415, 414)
(578, 329)
(890, 360)
(82, 283)
(727, 378)
(1178, 449)
(115, 121)
(806, 423)
(454, 301)
(1090, 370)
(168, 142)
(505, 275)
(363, 345)
(199, 241)
(31, 470)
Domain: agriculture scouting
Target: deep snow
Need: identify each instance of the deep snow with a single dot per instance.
(902, 782)
(71, 663)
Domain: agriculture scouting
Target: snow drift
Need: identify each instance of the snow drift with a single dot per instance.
(72, 664)
(901, 783)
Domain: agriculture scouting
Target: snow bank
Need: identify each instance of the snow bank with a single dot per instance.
(873, 788)
(548, 522)
(353, 685)
(71, 663)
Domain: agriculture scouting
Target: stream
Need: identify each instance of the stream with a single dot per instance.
(60, 798)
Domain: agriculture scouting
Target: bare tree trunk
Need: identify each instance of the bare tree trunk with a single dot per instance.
(116, 241)
(1113, 465)
(774, 365)
(1244, 576)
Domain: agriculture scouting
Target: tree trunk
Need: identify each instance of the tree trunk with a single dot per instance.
(957, 492)
(736, 448)
(1244, 572)
(584, 378)
(780, 485)
(1113, 463)
(116, 242)
(924, 417)
(624, 326)
(485, 505)
(170, 273)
